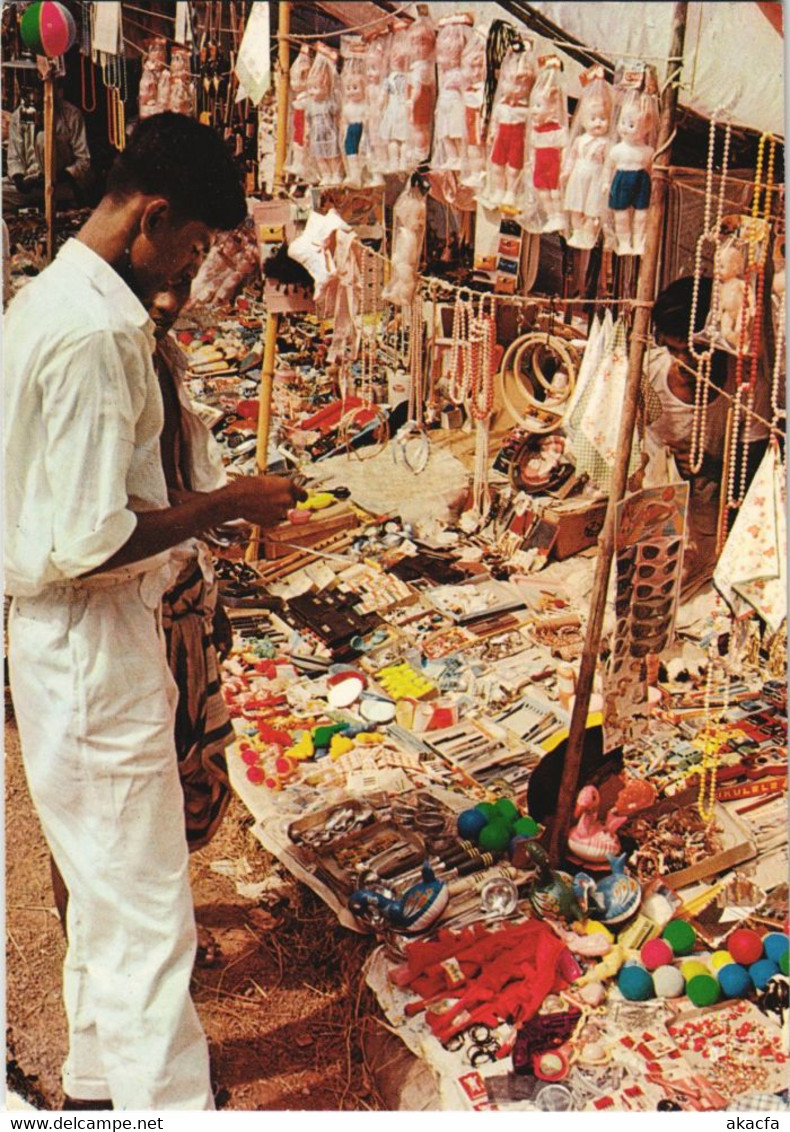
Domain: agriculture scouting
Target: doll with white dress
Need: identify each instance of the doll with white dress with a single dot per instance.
(473, 69)
(322, 115)
(408, 232)
(629, 167)
(376, 70)
(297, 101)
(395, 122)
(585, 159)
(548, 119)
(421, 89)
(452, 36)
(507, 129)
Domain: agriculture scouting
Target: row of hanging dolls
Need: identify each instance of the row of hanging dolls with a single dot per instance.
(416, 95)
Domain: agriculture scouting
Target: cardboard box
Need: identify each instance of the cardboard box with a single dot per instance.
(281, 540)
(577, 527)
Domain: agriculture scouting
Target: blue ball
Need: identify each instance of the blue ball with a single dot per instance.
(470, 822)
(762, 971)
(635, 983)
(775, 945)
(734, 980)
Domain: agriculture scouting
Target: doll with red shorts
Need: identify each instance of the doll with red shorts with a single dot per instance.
(507, 131)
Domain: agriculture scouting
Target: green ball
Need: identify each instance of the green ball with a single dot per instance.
(783, 964)
(526, 827)
(487, 808)
(680, 936)
(30, 29)
(506, 811)
(703, 990)
(494, 837)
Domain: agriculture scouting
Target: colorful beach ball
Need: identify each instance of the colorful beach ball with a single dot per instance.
(48, 28)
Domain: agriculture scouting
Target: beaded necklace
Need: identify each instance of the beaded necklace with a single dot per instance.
(460, 356)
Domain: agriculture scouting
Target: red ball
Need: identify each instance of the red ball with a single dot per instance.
(745, 946)
(249, 756)
(656, 953)
(256, 774)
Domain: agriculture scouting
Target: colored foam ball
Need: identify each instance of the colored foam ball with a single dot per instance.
(745, 946)
(775, 945)
(526, 827)
(48, 28)
(469, 824)
(486, 808)
(656, 953)
(703, 990)
(763, 970)
(507, 811)
(668, 981)
(635, 983)
(691, 968)
(680, 936)
(256, 774)
(720, 959)
(735, 981)
(494, 837)
(784, 963)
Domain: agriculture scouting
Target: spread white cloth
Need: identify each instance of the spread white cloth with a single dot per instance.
(92, 690)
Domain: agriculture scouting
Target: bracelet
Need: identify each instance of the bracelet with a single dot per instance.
(412, 434)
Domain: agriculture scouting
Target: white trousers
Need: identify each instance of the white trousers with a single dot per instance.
(94, 700)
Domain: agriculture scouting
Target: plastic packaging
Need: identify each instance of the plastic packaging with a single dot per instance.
(473, 68)
(450, 131)
(421, 89)
(584, 195)
(154, 67)
(322, 119)
(548, 141)
(409, 219)
(181, 94)
(630, 161)
(353, 108)
(296, 162)
(507, 129)
(376, 98)
(395, 121)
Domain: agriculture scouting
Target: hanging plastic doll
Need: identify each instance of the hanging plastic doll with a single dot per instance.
(322, 117)
(449, 148)
(408, 232)
(182, 89)
(154, 67)
(729, 323)
(395, 122)
(507, 130)
(548, 116)
(376, 96)
(629, 168)
(473, 68)
(585, 160)
(352, 83)
(421, 89)
(297, 101)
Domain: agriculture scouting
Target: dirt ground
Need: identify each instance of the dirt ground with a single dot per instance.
(285, 1007)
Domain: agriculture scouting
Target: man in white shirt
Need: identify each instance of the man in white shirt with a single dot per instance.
(88, 531)
(24, 174)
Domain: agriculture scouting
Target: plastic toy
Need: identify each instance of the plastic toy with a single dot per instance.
(614, 897)
(417, 909)
(551, 893)
(590, 839)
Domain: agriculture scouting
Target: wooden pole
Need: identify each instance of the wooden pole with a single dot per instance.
(272, 320)
(641, 326)
(49, 163)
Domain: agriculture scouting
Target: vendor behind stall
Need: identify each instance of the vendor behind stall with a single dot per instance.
(23, 184)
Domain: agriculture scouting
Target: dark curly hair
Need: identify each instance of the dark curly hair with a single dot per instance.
(173, 156)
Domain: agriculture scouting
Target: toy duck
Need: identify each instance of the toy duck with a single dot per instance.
(614, 897)
(551, 892)
(417, 909)
(590, 839)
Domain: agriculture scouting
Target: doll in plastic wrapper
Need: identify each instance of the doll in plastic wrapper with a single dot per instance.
(297, 81)
(473, 68)
(507, 130)
(421, 89)
(322, 114)
(376, 70)
(182, 91)
(548, 116)
(585, 159)
(352, 83)
(449, 148)
(409, 218)
(153, 71)
(395, 123)
(629, 170)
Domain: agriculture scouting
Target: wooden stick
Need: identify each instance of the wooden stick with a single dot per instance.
(645, 296)
(49, 164)
(272, 320)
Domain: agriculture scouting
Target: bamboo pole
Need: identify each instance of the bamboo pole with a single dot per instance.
(641, 326)
(272, 320)
(49, 163)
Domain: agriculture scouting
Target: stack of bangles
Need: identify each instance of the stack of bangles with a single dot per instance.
(413, 445)
(351, 428)
(522, 375)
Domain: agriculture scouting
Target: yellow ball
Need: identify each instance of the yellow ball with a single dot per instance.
(720, 959)
(693, 967)
(592, 927)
